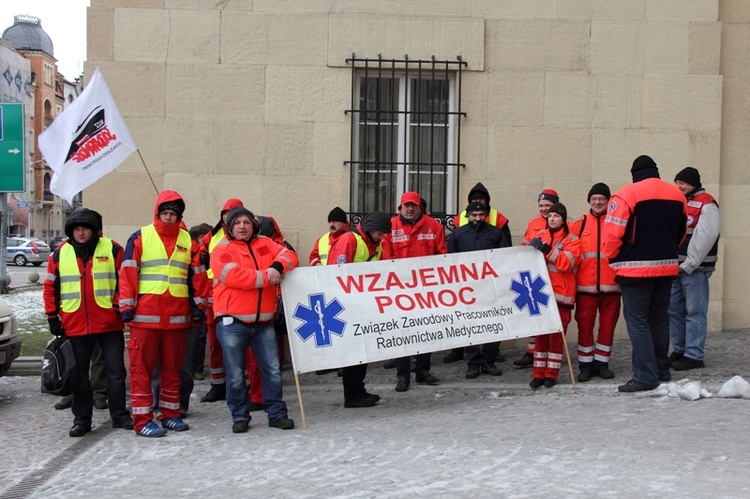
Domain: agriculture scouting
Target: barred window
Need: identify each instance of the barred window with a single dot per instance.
(405, 133)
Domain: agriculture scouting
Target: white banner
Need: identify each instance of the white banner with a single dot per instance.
(87, 141)
(340, 315)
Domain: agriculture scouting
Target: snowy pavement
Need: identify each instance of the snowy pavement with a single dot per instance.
(486, 437)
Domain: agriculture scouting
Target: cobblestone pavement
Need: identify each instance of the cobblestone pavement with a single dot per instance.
(485, 437)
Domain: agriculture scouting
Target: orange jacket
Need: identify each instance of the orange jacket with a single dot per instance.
(533, 228)
(241, 287)
(172, 312)
(645, 225)
(562, 262)
(594, 274)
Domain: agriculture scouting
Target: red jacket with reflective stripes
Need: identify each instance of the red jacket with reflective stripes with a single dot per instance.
(164, 305)
(241, 287)
(594, 274)
(90, 318)
(534, 226)
(424, 238)
(561, 264)
(645, 225)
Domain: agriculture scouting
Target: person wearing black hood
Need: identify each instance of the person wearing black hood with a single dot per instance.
(480, 194)
(478, 235)
(645, 225)
(362, 244)
(81, 302)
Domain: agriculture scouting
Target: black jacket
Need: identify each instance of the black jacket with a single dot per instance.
(467, 238)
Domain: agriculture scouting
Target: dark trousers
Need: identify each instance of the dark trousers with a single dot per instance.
(354, 381)
(403, 366)
(112, 346)
(646, 312)
(483, 354)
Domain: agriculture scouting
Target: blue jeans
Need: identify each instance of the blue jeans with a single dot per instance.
(688, 309)
(646, 311)
(261, 337)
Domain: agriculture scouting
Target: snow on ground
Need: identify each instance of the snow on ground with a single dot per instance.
(488, 437)
(29, 309)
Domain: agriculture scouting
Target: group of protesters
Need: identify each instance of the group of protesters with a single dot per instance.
(651, 246)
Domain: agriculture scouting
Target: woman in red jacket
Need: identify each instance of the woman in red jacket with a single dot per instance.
(562, 250)
(247, 268)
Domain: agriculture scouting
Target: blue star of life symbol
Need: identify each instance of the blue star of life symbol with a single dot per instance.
(529, 292)
(319, 320)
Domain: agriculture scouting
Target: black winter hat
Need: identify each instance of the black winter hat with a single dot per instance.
(337, 215)
(377, 220)
(689, 175)
(479, 190)
(642, 162)
(83, 217)
(236, 212)
(476, 206)
(177, 206)
(560, 209)
(599, 188)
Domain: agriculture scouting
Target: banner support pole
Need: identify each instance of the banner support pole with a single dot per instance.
(567, 356)
(299, 398)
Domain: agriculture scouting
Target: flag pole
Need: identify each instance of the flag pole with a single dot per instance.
(299, 397)
(147, 172)
(567, 356)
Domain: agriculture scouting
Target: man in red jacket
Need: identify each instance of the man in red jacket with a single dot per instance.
(596, 291)
(413, 233)
(248, 267)
(645, 224)
(337, 225)
(163, 288)
(80, 299)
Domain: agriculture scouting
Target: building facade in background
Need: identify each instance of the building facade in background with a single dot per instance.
(297, 107)
(37, 212)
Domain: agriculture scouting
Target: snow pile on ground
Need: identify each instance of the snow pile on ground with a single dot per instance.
(736, 387)
(683, 389)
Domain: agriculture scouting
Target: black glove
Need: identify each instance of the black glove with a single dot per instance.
(55, 326)
(540, 245)
(126, 315)
(198, 316)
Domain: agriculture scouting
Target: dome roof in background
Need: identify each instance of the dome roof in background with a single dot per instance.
(27, 34)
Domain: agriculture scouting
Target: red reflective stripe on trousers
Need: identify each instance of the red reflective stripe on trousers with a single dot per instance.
(587, 306)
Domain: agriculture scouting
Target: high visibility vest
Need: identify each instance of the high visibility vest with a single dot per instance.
(363, 252)
(102, 268)
(324, 246)
(211, 245)
(160, 272)
(694, 206)
(490, 219)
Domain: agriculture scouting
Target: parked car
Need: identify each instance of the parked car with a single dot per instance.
(22, 250)
(57, 241)
(10, 342)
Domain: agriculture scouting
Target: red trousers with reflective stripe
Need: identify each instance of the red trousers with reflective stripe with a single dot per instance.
(146, 348)
(548, 350)
(608, 306)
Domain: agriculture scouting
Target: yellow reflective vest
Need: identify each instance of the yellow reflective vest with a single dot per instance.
(363, 252)
(104, 274)
(159, 272)
(211, 245)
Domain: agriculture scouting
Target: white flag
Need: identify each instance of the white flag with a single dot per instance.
(87, 141)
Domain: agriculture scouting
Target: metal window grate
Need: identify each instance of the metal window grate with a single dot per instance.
(405, 134)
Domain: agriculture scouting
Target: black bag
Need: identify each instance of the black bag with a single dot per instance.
(59, 367)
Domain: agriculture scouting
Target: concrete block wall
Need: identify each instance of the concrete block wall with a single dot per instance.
(242, 98)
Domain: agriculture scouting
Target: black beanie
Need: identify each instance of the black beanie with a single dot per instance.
(476, 206)
(377, 220)
(337, 215)
(642, 162)
(177, 206)
(690, 176)
(560, 209)
(599, 188)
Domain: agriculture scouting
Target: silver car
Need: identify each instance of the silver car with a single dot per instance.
(22, 250)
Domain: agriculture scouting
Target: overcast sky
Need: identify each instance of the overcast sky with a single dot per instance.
(65, 23)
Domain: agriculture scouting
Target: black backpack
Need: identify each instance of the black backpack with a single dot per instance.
(59, 367)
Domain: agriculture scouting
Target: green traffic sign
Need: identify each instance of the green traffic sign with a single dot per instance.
(12, 150)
